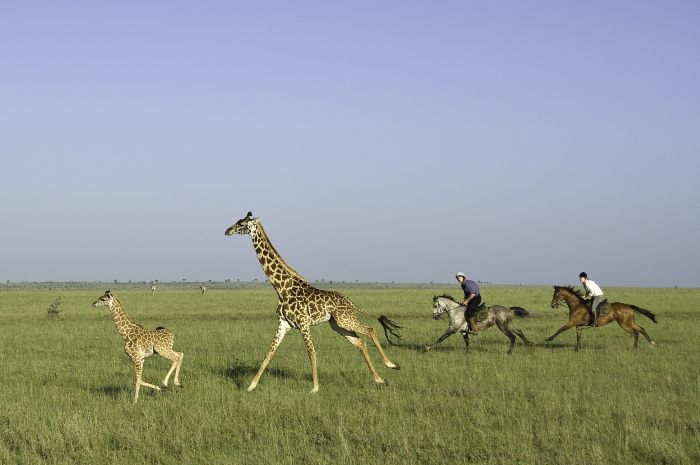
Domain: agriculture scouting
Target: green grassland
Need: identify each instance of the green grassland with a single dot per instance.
(66, 385)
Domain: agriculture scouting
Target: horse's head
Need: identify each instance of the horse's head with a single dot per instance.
(438, 308)
(565, 295)
(443, 304)
(557, 297)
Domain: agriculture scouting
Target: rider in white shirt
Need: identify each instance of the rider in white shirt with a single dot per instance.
(594, 292)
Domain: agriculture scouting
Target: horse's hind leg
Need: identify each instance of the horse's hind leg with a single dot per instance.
(634, 329)
(521, 335)
(511, 336)
(644, 333)
(505, 330)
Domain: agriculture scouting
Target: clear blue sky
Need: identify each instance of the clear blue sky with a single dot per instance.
(519, 142)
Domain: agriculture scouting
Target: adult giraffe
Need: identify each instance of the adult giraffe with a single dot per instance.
(301, 306)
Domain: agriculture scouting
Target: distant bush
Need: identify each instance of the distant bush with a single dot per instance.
(55, 307)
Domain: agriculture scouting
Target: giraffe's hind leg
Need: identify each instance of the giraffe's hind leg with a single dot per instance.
(372, 334)
(176, 358)
(355, 340)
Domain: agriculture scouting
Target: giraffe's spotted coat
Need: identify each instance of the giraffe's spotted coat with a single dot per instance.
(141, 342)
(301, 305)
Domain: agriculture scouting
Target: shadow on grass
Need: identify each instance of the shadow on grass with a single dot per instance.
(112, 391)
(242, 373)
(474, 343)
(569, 345)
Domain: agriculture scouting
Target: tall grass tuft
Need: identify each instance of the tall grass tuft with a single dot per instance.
(55, 309)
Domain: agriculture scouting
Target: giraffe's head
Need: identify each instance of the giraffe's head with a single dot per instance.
(104, 301)
(243, 226)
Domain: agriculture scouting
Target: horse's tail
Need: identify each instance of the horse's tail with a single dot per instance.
(390, 327)
(519, 311)
(644, 312)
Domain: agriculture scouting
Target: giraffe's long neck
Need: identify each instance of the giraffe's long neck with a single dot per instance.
(121, 319)
(281, 276)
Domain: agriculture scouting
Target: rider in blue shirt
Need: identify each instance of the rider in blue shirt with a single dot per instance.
(472, 299)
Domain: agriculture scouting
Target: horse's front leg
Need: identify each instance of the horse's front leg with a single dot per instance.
(450, 331)
(465, 335)
(578, 338)
(566, 327)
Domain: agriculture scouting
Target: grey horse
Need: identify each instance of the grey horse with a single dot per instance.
(488, 316)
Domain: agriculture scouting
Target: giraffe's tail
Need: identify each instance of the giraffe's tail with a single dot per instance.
(390, 327)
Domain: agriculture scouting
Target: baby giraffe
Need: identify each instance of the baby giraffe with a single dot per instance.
(142, 343)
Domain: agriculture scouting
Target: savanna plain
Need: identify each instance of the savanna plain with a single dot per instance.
(66, 385)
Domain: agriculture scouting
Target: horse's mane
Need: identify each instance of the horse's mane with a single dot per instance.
(447, 296)
(577, 292)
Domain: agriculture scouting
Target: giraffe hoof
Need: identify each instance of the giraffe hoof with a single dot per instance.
(314, 390)
(396, 366)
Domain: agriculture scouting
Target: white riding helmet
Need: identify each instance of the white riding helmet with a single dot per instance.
(460, 274)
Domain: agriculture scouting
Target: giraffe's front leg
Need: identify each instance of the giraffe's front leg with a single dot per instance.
(281, 331)
(306, 334)
(137, 357)
(138, 370)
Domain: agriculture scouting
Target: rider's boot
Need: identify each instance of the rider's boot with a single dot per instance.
(472, 326)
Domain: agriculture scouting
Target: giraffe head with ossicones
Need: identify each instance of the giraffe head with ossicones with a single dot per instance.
(245, 225)
(104, 301)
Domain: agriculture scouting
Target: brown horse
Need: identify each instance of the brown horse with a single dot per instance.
(578, 315)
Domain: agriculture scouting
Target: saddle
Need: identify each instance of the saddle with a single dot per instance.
(603, 306)
(481, 312)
